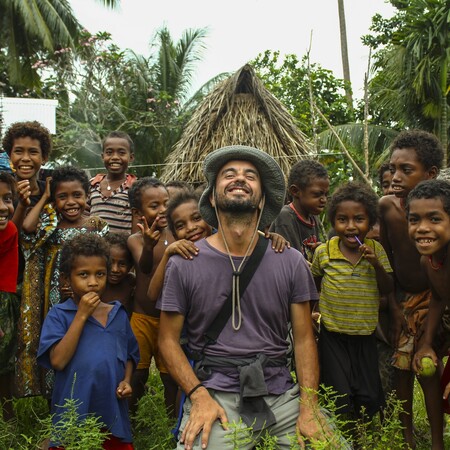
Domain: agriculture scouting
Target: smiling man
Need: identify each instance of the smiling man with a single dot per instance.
(241, 373)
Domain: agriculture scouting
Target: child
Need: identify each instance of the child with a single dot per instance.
(89, 344)
(308, 186)
(9, 303)
(47, 227)
(28, 145)
(352, 271)
(121, 281)
(176, 187)
(148, 200)
(428, 209)
(415, 156)
(385, 179)
(187, 226)
(108, 196)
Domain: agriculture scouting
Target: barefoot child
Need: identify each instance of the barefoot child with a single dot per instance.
(9, 303)
(108, 196)
(121, 281)
(415, 156)
(89, 344)
(352, 272)
(46, 228)
(297, 222)
(428, 208)
(148, 200)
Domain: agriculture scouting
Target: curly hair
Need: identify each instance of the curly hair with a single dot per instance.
(431, 189)
(426, 145)
(89, 244)
(68, 173)
(303, 172)
(180, 199)
(8, 179)
(120, 135)
(120, 240)
(135, 192)
(355, 192)
(33, 130)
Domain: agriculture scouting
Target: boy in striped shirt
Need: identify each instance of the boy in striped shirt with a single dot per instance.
(351, 273)
(108, 196)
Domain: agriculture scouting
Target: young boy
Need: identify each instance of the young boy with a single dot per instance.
(308, 186)
(428, 208)
(351, 272)
(148, 200)
(415, 156)
(108, 197)
(121, 281)
(90, 346)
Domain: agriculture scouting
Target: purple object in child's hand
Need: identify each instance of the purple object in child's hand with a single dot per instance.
(359, 242)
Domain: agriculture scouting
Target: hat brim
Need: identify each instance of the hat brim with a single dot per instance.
(271, 175)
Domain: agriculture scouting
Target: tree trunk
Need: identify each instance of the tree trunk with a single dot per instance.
(443, 125)
(344, 53)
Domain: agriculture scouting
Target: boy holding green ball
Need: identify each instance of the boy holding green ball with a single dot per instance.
(428, 211)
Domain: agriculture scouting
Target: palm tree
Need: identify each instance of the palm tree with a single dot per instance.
(28, 27)
(344, 53)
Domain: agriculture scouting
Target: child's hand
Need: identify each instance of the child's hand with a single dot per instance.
(151, 235)
(184, 248)
(88, 303)
(124, 390)
(424, 350)
(369, 254)
(24, 191)
(278, 242)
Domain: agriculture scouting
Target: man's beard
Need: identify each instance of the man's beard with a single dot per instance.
(238, 206)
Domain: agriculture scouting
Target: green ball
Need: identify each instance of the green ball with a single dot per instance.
(428, 367)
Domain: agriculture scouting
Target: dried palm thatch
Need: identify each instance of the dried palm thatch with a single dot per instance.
(240, 110)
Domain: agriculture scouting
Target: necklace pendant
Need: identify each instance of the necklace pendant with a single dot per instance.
(108, 188)
(166, 242)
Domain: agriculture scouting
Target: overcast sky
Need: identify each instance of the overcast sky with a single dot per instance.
(240, 29)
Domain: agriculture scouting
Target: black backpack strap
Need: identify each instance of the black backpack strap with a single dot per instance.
(246, 275)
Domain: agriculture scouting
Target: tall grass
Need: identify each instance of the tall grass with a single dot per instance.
(152, 426)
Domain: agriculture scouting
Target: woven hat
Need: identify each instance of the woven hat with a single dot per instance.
(271, 176)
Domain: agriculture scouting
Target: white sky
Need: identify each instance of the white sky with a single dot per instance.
(241, 29)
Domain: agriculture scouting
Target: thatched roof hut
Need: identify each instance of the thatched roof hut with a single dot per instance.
(240, 110)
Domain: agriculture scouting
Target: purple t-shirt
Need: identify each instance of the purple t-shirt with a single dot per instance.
(197, 289)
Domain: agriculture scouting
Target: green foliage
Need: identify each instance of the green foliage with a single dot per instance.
(411, 59)
(151, 424)
(288, 79)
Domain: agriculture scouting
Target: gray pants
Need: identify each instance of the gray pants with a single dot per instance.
(285, 408)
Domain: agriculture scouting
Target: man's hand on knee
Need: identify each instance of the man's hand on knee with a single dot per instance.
(204, 412)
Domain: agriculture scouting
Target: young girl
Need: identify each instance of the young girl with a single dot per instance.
(121, 281)
(9, 303)
(351, 272)
(89, 344)
(46, 227)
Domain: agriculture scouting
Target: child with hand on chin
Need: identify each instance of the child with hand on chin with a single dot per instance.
(89, 344)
